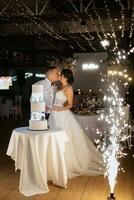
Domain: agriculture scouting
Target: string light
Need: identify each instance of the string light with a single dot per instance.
(111, 24)
(90, 37)
(88, 40)
(37, 26)
(41, 25)
(122, 17)
(100, 22)
(95, 27)
(132, 23)
(78, 44)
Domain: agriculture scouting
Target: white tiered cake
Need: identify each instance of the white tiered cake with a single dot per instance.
(37, 121)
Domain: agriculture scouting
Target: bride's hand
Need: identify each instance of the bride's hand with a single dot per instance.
(56, 108)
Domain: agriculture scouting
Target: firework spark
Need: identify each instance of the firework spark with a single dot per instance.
(112, 145)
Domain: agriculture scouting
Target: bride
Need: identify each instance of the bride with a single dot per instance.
(81, 156)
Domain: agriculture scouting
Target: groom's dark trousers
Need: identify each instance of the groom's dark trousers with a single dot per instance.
(47, 115)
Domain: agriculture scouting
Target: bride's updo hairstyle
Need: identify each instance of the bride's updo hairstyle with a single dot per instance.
(67, 73)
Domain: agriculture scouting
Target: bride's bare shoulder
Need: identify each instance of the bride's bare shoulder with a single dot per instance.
(69, 89)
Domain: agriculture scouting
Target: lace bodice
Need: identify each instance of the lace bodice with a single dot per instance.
(60, 98)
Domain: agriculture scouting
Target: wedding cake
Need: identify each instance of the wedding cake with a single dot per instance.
(37, 121)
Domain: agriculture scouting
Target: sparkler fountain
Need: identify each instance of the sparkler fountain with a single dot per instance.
(112, 148)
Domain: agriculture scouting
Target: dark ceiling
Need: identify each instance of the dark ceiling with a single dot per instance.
(66, 25)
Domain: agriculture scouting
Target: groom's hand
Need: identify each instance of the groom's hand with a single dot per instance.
(47, 109)
(56, 108)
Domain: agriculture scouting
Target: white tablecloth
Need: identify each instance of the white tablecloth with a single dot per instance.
(90, 124)
(40, 157)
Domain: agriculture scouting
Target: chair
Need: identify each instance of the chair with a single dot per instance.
(1, 107)
(1, 99)
(131, 135)
(131, 130)
(8, 108)
(126, 143)
(126, 130)
(17, 107)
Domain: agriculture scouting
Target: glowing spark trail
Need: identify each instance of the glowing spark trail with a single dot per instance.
(118, 132)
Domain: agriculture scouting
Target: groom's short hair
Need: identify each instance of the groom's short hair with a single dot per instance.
(49, 69)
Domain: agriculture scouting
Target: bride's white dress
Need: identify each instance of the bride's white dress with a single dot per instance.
(80, 155)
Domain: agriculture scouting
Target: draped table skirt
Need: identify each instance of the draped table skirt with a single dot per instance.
(39, 155)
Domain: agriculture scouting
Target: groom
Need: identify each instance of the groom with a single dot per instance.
(49, 88)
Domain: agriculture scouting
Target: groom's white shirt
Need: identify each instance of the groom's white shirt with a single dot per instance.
(49, 92)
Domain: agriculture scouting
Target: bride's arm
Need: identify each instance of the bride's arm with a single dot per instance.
(69, 104)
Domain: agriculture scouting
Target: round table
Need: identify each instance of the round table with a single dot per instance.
(40, 157)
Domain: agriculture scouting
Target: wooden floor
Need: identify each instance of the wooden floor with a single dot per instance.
(81, 188)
